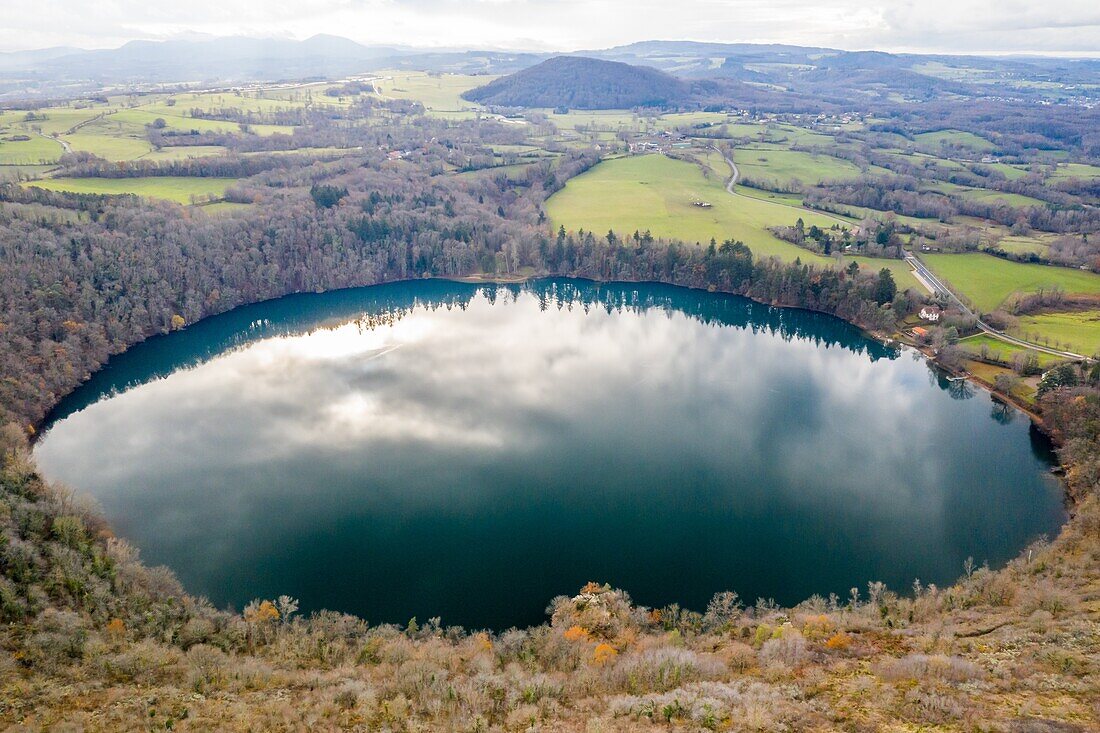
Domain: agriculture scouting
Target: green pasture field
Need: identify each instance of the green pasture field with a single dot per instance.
(988, 281)
(1075, 170)
(954, 137)
(37, 150)
(111, 147)
(184, 152)
(1018, 244)
(611, 120)
(1002, 350)
(985, 194)
(437, 92)
(657, 193)
(19, 172)
(1010, 172)
(1076, 331)
(170, 188)
(784, 166)
(181, 122)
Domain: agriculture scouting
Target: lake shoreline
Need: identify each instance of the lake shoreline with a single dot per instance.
(822, 370)
(883, 338)
(485, 279)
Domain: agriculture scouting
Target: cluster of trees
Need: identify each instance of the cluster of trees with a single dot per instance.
(874, 238)
(87, 165)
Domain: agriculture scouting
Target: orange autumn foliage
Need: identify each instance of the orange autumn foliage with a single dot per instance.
(266, 611)
(576, 633)
(839, 641)
(603, 654)
(116, 627)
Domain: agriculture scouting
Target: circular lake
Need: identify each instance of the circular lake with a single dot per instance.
(466, 451)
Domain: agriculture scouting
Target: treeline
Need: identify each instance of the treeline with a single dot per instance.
(85, 165)
(901, 196)
(74, 293)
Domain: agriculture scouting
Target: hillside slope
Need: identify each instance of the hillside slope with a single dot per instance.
(583, 83)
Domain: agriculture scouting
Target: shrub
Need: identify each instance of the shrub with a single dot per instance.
(788, 650)
(663, 668)
(924, 667)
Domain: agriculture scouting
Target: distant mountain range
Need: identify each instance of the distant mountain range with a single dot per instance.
(821, 72)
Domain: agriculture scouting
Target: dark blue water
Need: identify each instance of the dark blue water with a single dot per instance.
(470, 451)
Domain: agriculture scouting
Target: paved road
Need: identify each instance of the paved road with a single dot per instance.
(938, 287)
(64, 144)
(736, 175)
(922, 273)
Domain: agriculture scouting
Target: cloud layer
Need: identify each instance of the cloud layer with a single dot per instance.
(1006, 26)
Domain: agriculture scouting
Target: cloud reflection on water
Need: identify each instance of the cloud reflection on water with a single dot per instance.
(475, 459)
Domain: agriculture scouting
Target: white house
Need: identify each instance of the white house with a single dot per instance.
(930, 313)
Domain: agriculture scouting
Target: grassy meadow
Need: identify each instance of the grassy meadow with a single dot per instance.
(657, 193)
(1002, 350)
(776, 165)
(1076, 331)
(988, 281)
(170, 188)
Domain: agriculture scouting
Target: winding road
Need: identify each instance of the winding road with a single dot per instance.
(735, 174)
(920, 271)
(937, 286)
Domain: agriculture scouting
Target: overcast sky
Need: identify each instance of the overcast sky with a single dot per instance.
(981, 26)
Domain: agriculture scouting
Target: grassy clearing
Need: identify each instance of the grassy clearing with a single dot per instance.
(36, 150)
(120, 146)
(612, 120)
(1010, 172)
(22, 172)
(776, 165)
(657, 193)
(171, 188)
(1002, 350)
(223, 208)
(437, 92)
(954, 137)
(1075, 170)
(1012, 199)
(1035, 244)
(185, 152)
(1077, 331)
(989, 281)
(988, 373)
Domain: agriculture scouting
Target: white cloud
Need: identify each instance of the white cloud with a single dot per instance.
(1010, 26)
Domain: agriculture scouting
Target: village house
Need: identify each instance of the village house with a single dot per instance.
(930, 313)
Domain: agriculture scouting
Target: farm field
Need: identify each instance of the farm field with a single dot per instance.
(1075, 170)
(1019, 244)
(777, 165)
(184, 152)
(1002, 350)
(437, 92)
(33, 151)
(656, 193)
(988, 281)
(954, 137)
(170, 188)
(1077, 331)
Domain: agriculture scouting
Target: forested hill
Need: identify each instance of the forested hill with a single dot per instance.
(583, 83)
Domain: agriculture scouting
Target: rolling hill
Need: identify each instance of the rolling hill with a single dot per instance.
(583, 83)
